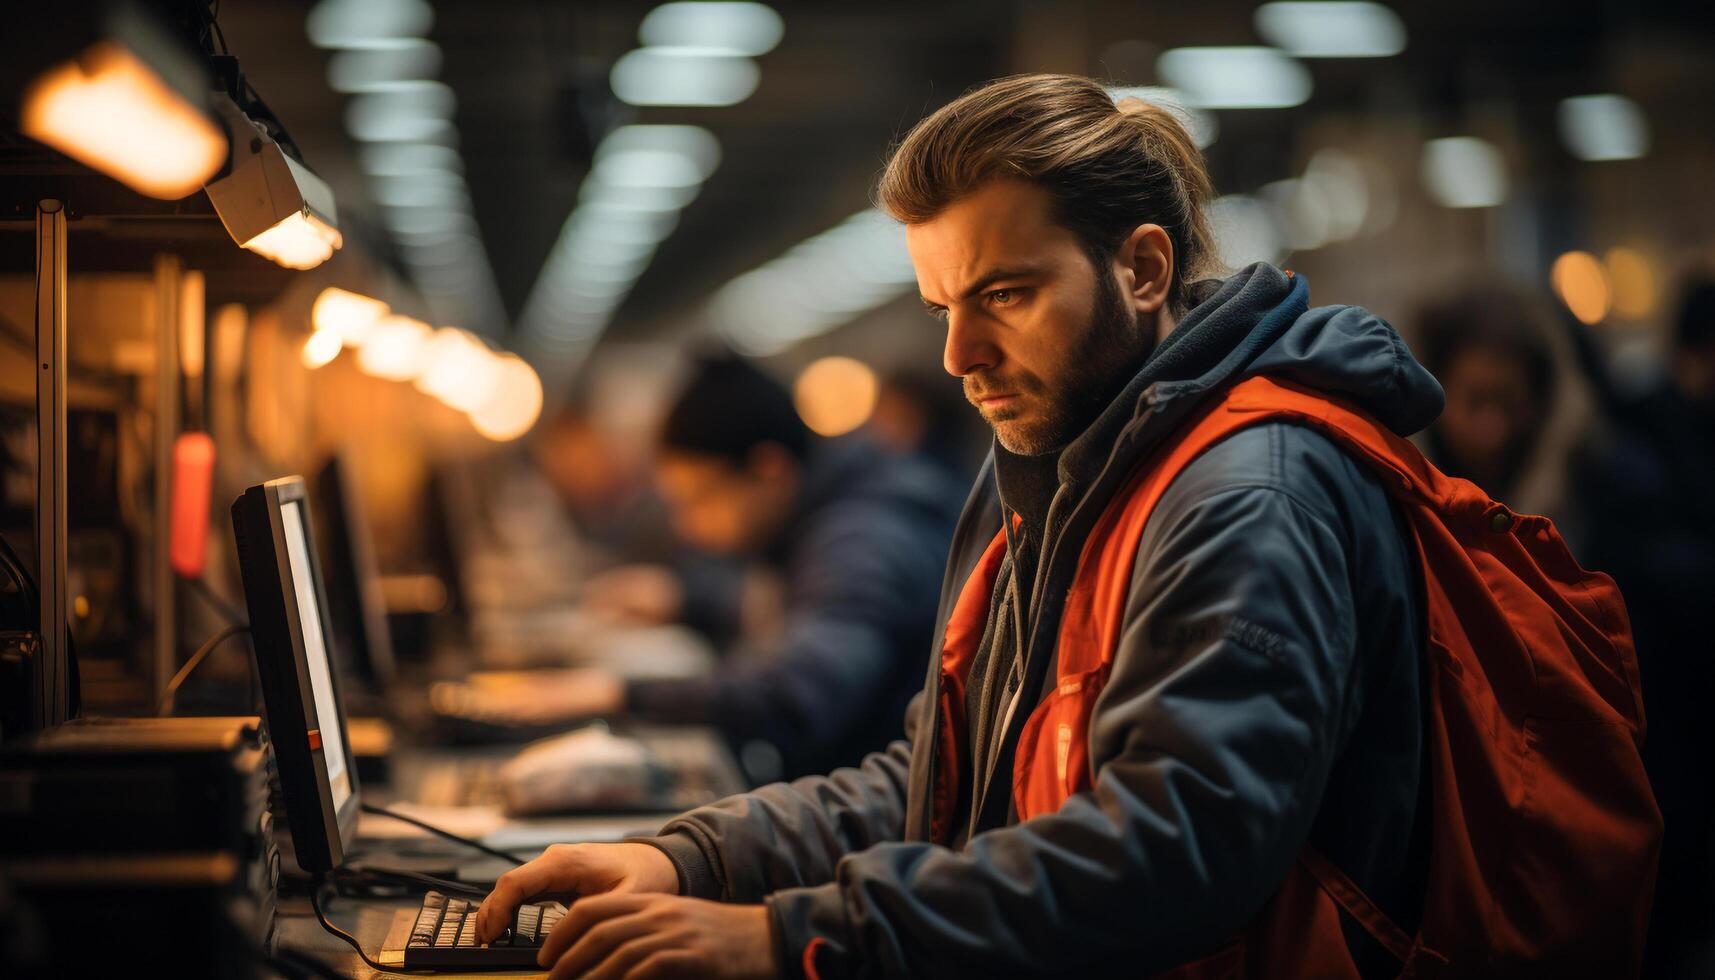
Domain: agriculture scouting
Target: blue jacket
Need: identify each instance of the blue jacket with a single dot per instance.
(1214, 762)
(860, 558)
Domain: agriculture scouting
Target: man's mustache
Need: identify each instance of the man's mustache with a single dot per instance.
(986, 385)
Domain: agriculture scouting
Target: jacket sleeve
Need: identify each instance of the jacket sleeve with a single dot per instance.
(791, 835)
(859, 574)
(1212, 744)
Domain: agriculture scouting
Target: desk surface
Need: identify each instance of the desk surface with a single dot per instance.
(383, 842)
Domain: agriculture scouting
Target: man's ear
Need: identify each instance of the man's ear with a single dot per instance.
(1145, 261)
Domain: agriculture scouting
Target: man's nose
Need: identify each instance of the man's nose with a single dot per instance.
(970, 347)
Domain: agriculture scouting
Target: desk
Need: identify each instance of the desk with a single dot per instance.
(382, 840)
(369, 918)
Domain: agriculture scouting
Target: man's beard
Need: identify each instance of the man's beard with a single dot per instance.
(1099, 361)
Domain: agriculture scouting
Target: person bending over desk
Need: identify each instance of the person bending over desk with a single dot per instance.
(856, 535)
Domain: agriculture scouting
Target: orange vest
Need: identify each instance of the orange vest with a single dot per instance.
(1545, 831)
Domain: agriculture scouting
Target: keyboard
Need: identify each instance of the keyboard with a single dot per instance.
(444, 935)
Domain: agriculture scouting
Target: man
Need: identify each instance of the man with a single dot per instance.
(857, 538)
(1064, 803)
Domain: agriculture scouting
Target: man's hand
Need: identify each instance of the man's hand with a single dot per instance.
(642, 937)
(575, 870)
(635, 595)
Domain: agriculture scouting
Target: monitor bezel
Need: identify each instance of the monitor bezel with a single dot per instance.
(321, 832)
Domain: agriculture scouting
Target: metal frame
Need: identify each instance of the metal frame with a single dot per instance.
(51, 703)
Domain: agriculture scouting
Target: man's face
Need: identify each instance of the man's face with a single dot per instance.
(1491, 415)
(723, 508)
(1042, 338)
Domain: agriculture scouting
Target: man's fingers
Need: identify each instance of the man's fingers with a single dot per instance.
(495, 914)
(584, 917)
(619, 960)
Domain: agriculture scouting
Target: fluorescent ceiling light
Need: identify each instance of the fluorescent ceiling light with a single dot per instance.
(515, 405)
(816, 285)
(382, 65)
(1464, 172)
(1603, 127)
(352, 23)
(109, 110)
(405, 222)
(421, 110)
(740, 28)
(648, 168)
(420, 194)
(346, 314)
(395, 348)
(691, 142)
(1235, 78)
(407, 159)
(1201, 125)
(638, 198)
(1331, 29)
(602, 215)
(683, 76)
(320, 348)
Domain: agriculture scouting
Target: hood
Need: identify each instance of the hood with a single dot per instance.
(1257, 321)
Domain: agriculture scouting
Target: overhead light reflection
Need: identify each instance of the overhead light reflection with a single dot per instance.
(109, 110)
(1235, 77)
(394, 349)
(1464, 172)
(1580, 282)
(683, 77)
(1331, 29)
(1603, 127)
(347, 315)
(739, 28)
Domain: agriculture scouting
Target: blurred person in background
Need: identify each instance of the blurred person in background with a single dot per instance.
(924, 412)
(1513, 423)
(1650, 503)
(606, 493)
(855, 536)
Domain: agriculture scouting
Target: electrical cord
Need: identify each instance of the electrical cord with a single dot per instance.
(365, 876)
(197, 658)
(382, 811)
(341, 934)
(227, 610)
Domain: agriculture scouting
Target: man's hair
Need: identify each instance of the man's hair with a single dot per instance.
(729, 407)
(1107, 167)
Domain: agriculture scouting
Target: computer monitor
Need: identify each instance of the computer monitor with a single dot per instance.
(300, 687)
(358, 616)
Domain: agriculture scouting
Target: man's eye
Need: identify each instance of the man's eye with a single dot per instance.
(1003, 297)
(938, 312)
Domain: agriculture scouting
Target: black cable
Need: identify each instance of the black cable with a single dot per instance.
(341, 934)
(368, 876)
(382, 811)
(227, 610)
(197, 658)
(14, 567)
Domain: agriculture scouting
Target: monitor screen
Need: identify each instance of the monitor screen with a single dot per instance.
(316, 651)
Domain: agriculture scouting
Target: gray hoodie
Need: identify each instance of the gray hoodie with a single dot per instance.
(1265, 694)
